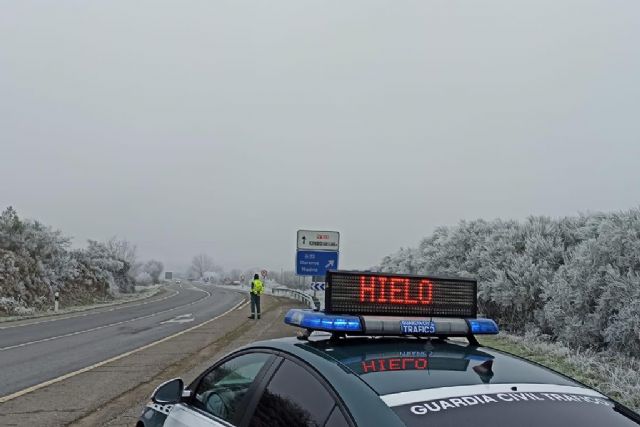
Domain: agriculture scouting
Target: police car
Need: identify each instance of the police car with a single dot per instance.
(388, 350)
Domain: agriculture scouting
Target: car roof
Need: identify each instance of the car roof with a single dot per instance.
(398, 364)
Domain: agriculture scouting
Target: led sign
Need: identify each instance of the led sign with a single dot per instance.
(400, 295)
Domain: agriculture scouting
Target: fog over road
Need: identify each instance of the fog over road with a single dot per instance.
(40, 350)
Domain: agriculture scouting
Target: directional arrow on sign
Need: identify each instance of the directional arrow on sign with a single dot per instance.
(330, 263)
(318, 286)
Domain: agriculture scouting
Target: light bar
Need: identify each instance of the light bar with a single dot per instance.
(390, 325)
(318, 321)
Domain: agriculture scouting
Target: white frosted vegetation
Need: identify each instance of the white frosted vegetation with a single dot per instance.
(575, 279)
(36, 261)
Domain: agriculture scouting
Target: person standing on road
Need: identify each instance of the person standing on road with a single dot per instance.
(257, 287)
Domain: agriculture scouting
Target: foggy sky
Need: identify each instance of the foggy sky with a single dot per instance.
(225, 126)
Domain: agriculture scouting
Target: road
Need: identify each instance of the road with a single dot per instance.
(41, 350)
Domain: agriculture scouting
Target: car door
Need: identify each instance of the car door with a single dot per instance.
(220, 396)
(297, 396)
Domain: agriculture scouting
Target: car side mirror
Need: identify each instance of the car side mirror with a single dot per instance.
(169, 392)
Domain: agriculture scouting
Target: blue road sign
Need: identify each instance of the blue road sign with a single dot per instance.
(317, 286)
(315, 263)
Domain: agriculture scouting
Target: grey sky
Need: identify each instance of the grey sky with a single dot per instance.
(223, 127)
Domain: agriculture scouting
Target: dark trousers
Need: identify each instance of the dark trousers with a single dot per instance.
(255, 305)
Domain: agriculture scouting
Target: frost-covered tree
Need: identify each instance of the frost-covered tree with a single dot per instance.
(154, 269)
(200, 264)
(126, 251)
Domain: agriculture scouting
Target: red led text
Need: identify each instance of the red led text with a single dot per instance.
(395, 290)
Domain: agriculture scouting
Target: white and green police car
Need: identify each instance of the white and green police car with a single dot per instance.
(388, 350)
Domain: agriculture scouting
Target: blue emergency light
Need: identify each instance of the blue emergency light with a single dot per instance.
(483, 326)
(318, 321)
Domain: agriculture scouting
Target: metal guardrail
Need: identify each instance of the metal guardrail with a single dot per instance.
(305, 298)
(297, 295)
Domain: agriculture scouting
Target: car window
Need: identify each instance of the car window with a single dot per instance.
(222, 390)
(293, 397)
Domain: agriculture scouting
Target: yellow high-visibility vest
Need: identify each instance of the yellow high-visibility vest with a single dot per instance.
(257, 287)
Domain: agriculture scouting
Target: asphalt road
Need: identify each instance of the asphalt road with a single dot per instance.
(40, 350)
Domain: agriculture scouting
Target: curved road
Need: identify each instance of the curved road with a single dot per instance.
(38, 351)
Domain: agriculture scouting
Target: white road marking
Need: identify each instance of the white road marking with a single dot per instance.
(184, 315)
(408, 397)
(90, 312)
(12, 396)
(97, 328)
(246, 303)
(178, 321)
(183, 318)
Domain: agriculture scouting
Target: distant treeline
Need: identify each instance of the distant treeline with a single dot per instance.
(575, 279)
(36, 261)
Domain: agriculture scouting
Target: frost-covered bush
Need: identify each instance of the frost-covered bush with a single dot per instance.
(576, 279)
(113, 271)
(9, 305)
(593, 300)
(36, 261)
(154, 269)
(143, 278)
